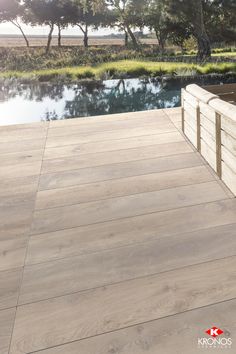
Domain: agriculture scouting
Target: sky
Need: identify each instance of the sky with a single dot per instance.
(8, 28)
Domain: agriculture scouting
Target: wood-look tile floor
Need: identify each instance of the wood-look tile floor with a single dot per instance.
(116, 238)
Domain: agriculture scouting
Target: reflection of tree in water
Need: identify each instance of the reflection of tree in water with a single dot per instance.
(96, 98)
(122, 96)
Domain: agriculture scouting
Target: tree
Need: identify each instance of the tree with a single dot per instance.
(191, 12)
(221, 20)
(46, 12)
(85, 14)
(157, 19)
(128, 14)
(11, 11)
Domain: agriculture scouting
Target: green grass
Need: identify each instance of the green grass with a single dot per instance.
(122, 69)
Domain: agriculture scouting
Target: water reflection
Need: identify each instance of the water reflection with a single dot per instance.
(22, 103)
(34, 102)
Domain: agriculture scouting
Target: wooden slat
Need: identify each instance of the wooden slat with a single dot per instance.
(117, 208)
(207, 111)
(229, 142)
(187, 97)
(81, 138)
(9, 287)
(191, 121)
(143, 338)
(90, 126)
(12, 248)
(229, 177)
(121, 187)
(229, 159)
(112, 145)
(61, 320)
(191, 134)
(218, 145)
(118, 170)
(209, 139)
(208, 154)
(229, 126)
(7, 318)
(207, 124)
(47, 280)
(108, 118)
(192, 111)
(98, 237)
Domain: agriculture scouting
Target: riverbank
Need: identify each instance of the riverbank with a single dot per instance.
(121, 69)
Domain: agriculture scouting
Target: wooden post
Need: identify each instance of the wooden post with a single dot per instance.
(182, 109)
(182, 113)
(218, 146)
(198, 128)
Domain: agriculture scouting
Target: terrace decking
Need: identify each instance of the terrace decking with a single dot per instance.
(116, 238)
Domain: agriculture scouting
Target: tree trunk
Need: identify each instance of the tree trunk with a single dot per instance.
(86, 44)
(126, 39)
(132, 36)
(22, 32)
(49, 38)
(161, 41)
(59, 36)
(204, 47)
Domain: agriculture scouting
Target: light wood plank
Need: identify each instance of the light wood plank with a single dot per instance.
(173, 335)
(9, 288)
(22, 145)
(74, 139)
(111, 157)
(191, 134)
(73, 274)
(208, 154)
(229, 126)
(117, 208)
(229, 142)
(108, 118)
(118, 170)
(120, 144)
(121, 187)
(21, 170)
(229, 177)
(229, 159)
(207, 124)
(21, 157)
(11, 134)
(6, 325)
(12, 250)
(64, 319)
(97, 237)
(91, 126)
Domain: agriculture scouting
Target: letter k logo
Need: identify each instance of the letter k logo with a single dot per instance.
(214, 331)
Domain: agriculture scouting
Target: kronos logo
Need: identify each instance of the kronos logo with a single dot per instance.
(215, 339)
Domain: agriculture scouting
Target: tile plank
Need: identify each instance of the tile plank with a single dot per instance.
(60, 320)
(98, 237)
(9, 288)
(121, 187)
(73, 274)
(22, 145)
(80, 138)
(111, 157)
(118, 170)
(92, 126)
(12, 251)
(6, 325)
(112, 145)
(177, 334)
(123, 207)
